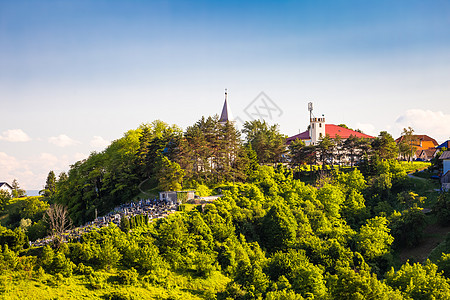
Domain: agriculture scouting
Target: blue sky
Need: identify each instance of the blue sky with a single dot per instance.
(75, 75)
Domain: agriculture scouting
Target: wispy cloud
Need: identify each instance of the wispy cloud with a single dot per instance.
(436, 124)
(15, 135)
(99, 142)
(62, 140)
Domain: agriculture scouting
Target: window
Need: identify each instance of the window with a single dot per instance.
(320, 135)
(313, 125)
(320, 124)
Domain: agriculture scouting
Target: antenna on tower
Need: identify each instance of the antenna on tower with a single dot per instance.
(226, 93)
(310, 108)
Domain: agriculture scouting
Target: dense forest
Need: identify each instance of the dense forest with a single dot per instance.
(288, 226)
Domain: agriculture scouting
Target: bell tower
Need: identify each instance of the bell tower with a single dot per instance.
(316, 126)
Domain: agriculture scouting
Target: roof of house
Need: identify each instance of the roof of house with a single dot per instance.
(332, 130)
(301, 136)
(5, 183)
(445, 155)
(427, 152)
(419, 138)
(344, 133)
(445, 144)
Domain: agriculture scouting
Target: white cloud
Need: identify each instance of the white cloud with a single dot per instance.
(99, 142)
(62, 140)
(15, 135)
(367, 128)
(31, 172)
(435, 124)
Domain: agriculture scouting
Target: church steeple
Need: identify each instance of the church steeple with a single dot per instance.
(225, 116)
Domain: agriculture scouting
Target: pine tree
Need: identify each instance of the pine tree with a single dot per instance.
(50, 185)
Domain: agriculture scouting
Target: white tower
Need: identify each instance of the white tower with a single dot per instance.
(316, 126)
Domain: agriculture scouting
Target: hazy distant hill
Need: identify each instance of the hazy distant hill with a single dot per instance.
(32, 192)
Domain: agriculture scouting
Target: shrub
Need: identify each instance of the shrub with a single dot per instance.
(119, 295)
(127, 277)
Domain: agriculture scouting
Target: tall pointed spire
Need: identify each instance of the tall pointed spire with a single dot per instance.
(224, 117)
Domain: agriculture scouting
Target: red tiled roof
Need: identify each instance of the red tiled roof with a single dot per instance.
(333, 130)
(422, 137)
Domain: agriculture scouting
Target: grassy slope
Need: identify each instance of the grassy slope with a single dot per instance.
(19, 286)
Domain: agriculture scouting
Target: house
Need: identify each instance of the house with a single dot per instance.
(445, 144)
(4, 186)
(176, 197)
(420, 142)
(318, 130)
(426, 155)
(445, 161)
(445, 179)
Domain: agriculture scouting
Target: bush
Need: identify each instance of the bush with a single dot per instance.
(127, 277)
(119, 295)
(84, 270)
(442, 209)
(97, 281)
(408, 227)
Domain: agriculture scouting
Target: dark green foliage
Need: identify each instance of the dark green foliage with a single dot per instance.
(4, 198)
(278, 228)
(442, 208)
(50, 185)
(15, 239)
(31, 208)
(125, 225)
(127, 277)
(407, 227)
(119, 295)
(56, 262)
(385, 146)
(37, 230)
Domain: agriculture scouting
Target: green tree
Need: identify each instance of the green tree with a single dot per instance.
(410, 199)
(409, 139)
(385, 146)
(266, 140)
(50, 185)
(419, 282)
(357, 284)
(170, 175)
(4, 199)
(326, 150)
(407, 227)
(278, 229)
(298, 273)
(16, 190)
(373, 239)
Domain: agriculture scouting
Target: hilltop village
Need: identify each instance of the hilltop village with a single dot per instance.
(212, 212)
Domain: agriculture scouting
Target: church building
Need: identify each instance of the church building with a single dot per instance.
(317, 130)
